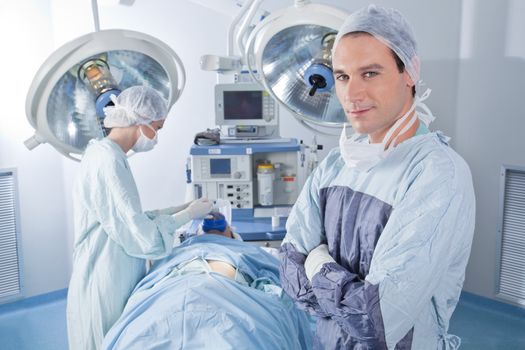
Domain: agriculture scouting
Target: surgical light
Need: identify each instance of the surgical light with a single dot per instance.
(66, 99)
(319, 75)
(291, 52)
(95, 73)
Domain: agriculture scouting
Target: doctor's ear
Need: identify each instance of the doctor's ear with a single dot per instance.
(409, 82)
(408, 79)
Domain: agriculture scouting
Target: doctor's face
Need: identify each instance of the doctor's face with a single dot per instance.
(369, 86)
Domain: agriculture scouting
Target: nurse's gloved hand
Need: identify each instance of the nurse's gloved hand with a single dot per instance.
(170, 210)
(316, 259)
(199, 208)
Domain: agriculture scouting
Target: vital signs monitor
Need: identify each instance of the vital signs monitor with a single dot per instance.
(246, 110)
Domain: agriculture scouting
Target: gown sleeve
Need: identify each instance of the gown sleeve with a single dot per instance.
(115, 203)
(428, 235)
(304, 231)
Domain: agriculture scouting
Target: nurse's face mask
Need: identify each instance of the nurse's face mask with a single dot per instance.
(144, 143)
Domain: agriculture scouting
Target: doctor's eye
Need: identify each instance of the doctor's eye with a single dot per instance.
(341, 77)
(369, 75)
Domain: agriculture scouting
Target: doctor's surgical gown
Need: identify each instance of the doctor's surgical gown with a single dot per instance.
(400, 235)
(113, 237)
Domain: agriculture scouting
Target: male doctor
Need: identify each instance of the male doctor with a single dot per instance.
(378, 241)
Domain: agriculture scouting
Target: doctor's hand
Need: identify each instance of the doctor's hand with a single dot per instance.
(316, 259)
(199, 208)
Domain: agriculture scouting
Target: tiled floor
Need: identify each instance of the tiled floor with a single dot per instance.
(40, 323)
(484, 324)
(35, 323)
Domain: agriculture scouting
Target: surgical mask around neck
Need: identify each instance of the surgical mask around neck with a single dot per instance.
(362, 155)
(144, 143)
(426, 115)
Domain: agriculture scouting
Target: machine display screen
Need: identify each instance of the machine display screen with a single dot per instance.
(243, 105)
(221, 166)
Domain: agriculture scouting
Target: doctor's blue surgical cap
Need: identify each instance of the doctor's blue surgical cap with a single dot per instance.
(134, 106)
(389, 26)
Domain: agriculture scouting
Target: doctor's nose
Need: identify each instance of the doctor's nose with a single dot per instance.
(354, 91)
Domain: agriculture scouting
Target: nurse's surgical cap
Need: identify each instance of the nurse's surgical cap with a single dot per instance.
(135, 105)
(390, 27)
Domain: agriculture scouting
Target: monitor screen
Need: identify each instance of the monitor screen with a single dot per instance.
(220, 166)
(243, 105)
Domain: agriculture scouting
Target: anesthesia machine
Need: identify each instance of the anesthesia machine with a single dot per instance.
(288, 55)
(257, 172)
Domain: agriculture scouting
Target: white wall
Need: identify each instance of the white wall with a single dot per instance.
(475, 99)
(26, 37)
(490, 119)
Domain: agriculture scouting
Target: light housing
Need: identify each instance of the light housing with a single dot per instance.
(287, 49)
(80, 76)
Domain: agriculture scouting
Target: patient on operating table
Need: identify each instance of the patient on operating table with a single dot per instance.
(212, 292)
(215, 223)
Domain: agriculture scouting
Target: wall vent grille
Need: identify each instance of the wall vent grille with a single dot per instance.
(10, 276)
(512, 261)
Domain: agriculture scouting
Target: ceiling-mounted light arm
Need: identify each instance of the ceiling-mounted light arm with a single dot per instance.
(249, 57)
(94, 8)
(181, 81)
(236, 35)
(230, 62)
(301, 2)
(233, 25)
(249, 14)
